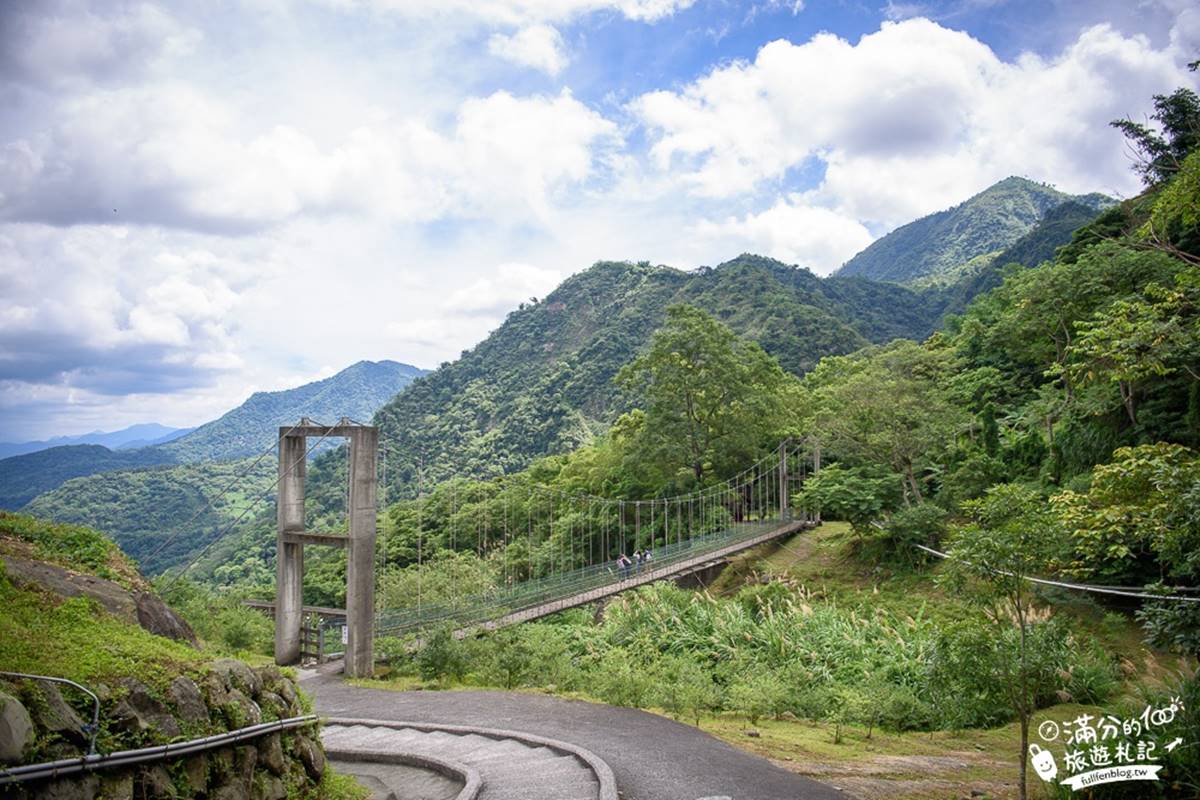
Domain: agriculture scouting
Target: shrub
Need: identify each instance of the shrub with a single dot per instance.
(442, 657)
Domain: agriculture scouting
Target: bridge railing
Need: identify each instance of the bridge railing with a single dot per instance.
(492, 605)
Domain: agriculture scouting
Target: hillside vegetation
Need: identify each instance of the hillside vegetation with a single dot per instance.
(24, 477)
(160, 516)
(542, 383)
(934, 247)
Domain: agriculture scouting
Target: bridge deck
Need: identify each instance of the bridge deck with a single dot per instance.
(645, 576)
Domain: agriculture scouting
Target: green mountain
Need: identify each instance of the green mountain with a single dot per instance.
(247, 430)
(24, 477)
(355, 392)
(937, 246)
(134, 436)
(162, 514)
(1039, 245)
(542, 382)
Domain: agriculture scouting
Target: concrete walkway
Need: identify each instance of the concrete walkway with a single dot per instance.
(652, 757)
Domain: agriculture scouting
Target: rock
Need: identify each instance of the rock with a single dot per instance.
(240, 711)
(238, 675)
(83, 788)
(753, 733)
(117, 787)
(139, 711)
(215, 690)
(270, 753)
(312, 756)
(271, 789)
(273, 706)
(230, 791)
(789, 716)
(245, 759)
(221, 762)
(187, 699)
(155, 782)
(16, 730)
(156, 616)
(53, 715)
(195, 771)
(56, 580)
(281, 685)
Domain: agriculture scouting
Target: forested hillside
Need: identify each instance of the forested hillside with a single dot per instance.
(24, 477)
(247, 430)
(938, 248)
(542, 383)
(160, 515)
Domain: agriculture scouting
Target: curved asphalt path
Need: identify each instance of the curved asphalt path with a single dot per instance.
(652, 757)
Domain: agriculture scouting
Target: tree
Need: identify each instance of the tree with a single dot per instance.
(889, 405)
(1012, 536)
(711, 400)
(1159, 155)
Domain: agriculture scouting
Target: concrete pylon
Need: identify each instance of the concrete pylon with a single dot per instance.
(359, 544)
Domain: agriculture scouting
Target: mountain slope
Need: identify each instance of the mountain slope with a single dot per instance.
(24, 477)
(356, 392)
(139, 507)
(134, 436)
(991, 221)
(542, 382)
(247, 430)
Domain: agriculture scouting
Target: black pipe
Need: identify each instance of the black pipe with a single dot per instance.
(124, 758)
(92, 729)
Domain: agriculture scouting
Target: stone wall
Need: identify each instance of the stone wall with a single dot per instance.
(37, 724)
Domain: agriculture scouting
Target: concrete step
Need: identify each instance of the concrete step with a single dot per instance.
(510, 769)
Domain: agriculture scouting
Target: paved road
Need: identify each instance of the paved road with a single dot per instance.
(653, 758)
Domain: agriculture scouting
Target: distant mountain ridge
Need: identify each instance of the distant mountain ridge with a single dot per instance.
(542, 382)
(356, 392)
(937, 245)
(142, 435)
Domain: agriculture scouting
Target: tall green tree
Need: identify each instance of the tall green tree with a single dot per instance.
(1160, 155)
(710, 399)
(1013, 535)
(889, 405)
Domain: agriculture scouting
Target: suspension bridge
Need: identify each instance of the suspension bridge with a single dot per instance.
(547, 550)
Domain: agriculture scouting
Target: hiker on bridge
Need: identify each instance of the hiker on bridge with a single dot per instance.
(623, 565)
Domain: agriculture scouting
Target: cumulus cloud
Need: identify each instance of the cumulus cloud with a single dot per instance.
(178, 157)
(537, 46)
(790, 231)
(91, 324)
(67, 42)
(910, 119)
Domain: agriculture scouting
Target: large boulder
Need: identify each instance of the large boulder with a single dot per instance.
(157, 617)
(16, 730)
(53, 715)
(187, 699)
(139, 711)
(143, 608)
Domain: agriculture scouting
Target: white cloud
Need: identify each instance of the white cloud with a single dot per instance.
(790, 231)
(59, 43)
(171, 155)
(515, 12)
(537, 46)
(910, 119)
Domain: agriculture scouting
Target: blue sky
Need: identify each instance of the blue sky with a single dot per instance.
(200, 200)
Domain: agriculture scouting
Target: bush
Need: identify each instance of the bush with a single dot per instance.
(442, 657)
(897, 540)
(758, 695)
